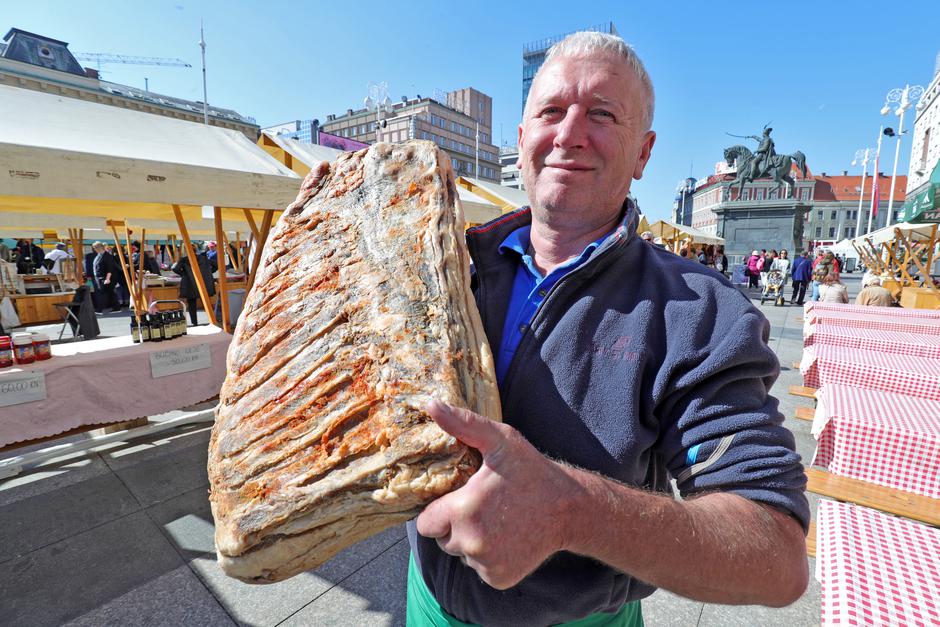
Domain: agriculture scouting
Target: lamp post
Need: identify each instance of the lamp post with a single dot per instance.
(861, 155)
(378, 101)
(874, 183)
(905, 99)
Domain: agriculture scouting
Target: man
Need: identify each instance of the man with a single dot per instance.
(620, 366)
(873, 293)
(802, 273)
(104, 270)
(763, 156)
(56, 255)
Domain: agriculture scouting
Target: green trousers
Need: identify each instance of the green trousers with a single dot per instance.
(423, 610)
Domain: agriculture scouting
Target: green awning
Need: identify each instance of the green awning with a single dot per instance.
(925, 206)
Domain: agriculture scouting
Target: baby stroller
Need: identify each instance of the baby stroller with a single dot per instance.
(773, 288)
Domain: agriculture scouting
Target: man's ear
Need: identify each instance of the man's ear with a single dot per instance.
(520, 143)
(646, 150)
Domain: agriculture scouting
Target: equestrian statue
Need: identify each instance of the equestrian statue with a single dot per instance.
(763, 163)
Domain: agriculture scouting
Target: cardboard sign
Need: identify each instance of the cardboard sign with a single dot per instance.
(180, 360)
(22, 387)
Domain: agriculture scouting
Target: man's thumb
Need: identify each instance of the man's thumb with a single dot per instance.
(472, 429)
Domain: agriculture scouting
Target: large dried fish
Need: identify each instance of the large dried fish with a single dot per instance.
(361, 313)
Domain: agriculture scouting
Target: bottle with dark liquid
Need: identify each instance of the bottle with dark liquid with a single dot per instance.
(156, 333)
(135, 331)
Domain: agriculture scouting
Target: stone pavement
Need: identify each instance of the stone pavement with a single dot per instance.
(123, 536)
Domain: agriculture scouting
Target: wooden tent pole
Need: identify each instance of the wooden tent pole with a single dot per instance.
(117, 244)
(916, 259)
(251, 222)
(194, 264)
(132, 275)
(238, 252)
(259, 247)
(223, 280)
(140, 269)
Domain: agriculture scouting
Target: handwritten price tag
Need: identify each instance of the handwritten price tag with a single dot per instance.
(177, 361)
(22, 387)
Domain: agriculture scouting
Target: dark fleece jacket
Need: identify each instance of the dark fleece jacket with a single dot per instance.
(641, 366)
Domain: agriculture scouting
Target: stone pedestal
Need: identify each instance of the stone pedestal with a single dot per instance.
(755, 225)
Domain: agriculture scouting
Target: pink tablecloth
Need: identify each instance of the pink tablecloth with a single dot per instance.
(897, 312)
(887, 439)
(888, 372)
(913, 344)
(109, 380)
(870, 320)
(876, 569)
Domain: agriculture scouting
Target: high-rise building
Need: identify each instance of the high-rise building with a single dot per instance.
(533, 55)
(511, 175)
(462, 127)
(31, 61)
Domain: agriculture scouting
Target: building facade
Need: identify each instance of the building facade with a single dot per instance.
(533, 55)
(30, 61)
(682, 205)
(923, 179)
(510, 174)
(819, 211)
(462, 128)
(301, 130)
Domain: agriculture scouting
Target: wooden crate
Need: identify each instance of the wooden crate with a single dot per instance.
(919, 298)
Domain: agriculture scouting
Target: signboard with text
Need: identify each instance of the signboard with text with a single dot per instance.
(177, 361)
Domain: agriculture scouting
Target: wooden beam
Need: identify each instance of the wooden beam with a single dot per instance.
(194, 265)
(811, 539)
(259, 248)
(800, 390)
(889, 500)
(223, 280)
(805, 413)
(120, 251)
(250, 218)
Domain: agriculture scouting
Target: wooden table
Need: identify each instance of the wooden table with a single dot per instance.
(40, 308)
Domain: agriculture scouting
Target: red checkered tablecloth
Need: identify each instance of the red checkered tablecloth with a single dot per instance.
(913, 344)
(888, 372)
(887, 439)
(920, 326)
(897, 312)
(876, 569)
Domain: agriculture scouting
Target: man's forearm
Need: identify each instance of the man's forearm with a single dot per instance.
(718, 548)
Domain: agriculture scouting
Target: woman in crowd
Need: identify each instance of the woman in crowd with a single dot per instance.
(754, 264)
(782, 264)
(721, 261)
(189, 291)
(831, 290)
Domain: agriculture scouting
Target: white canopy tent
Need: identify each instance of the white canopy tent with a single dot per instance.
(506, 198)
(844, 248)
(915, 232)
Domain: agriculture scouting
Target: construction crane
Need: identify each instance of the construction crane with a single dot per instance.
(104, 57)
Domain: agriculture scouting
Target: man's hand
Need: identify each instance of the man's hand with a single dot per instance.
(511, 515)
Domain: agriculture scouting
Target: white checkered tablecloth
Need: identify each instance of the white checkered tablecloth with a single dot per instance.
(913, 344)
(876, 569)
(919, 326)
(888, 372)
(897, 312)
(887, 439)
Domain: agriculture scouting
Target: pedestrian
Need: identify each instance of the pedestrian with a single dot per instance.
(754, 263)
(802, 273)
(104, 270)
(873, 293)
(782, 265)
(831, 289)
(721, 261)
(189, 290)
(571, 516)
(56, 255)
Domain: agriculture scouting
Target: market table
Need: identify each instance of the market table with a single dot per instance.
(871, 320)
(111, 379)
(887, 439)
(912, 344)
(897, 312)
(888, 372)
(876, 569)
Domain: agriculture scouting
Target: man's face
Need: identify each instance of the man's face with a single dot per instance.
(583, 140)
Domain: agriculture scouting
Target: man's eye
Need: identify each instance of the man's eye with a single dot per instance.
(551, 112)
(600, 113)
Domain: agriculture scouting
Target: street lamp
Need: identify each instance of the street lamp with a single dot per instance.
(905, 99)
(861, 155)
(378, 101)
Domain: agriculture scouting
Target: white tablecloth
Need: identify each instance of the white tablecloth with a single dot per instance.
(110, 380)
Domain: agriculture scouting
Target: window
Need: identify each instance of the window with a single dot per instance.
(759, 193)
(848, 232)
(832, 231)
(835, 214)
(774, 193)
(895, 216)
(455, 163)
(746, 194)
(819, 215)
(818, 232)
(804, 193)
(923, 151)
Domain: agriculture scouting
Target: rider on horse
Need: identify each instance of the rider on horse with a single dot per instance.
(763, 156)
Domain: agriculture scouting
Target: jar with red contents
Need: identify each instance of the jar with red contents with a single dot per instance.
(23, 352)
(42, 346)
(6, 351)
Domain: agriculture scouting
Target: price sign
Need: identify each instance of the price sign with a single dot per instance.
(177, 361)
(22, 387)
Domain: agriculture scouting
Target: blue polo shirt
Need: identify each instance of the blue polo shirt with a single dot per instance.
(529, 290)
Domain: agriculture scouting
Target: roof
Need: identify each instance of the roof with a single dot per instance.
(507, 198)
(846, 188)
(916, 232)
(71, 156)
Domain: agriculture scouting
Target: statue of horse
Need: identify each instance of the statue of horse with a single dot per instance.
(747, 165)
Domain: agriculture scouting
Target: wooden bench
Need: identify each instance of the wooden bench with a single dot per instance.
(811, 539)
(801, 390)
(805, 413)
(888, 500)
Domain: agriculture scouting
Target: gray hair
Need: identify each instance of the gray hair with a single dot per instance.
(589, 44)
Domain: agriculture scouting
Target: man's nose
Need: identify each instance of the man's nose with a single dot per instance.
(572, 130)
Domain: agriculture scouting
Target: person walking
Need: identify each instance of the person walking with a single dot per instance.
(802, 272)
(754, 264)
(104, 270)
(189, 290)
(721, 261)
(782, 265)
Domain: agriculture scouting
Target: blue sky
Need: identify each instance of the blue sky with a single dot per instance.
(817, 71)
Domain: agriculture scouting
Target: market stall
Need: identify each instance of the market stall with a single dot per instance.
(903, 254)
(82, 160)
(675, 236)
